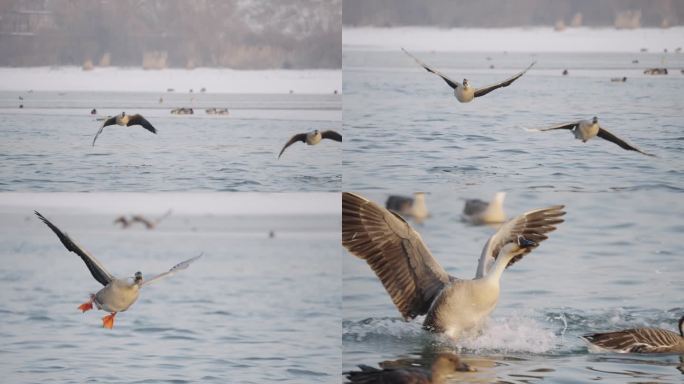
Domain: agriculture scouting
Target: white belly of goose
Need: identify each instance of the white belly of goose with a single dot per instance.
(463, 94)
(314, 138)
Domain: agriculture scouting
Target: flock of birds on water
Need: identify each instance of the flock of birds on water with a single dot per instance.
(457, 307)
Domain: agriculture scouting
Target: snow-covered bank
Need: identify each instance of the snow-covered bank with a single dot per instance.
(514, 39)
(181, 80)
(245, 203)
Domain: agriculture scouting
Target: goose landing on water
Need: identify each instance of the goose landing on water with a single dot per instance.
(585, 130)
(311, 138)
(464, 92)
(417, 284)
(118, 294)
(126, 120)
(640, 340)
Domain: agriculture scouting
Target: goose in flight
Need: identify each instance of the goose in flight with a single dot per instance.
(126, 120)
(585, 130)
(444, 365)
(118, 294)
(409, 206)
(640, 340)
(464, 92)
(312, 138)
(148, 223)
(478, 212)
(416, 282)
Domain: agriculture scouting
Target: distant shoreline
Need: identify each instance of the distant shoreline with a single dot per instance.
(523, 39)
(131, 79)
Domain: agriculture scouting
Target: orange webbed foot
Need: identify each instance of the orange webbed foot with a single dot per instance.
(88, 305)
(108, 321)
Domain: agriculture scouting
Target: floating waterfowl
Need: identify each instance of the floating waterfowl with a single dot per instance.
(464, 92)
(126, 120)
(585, 130)
(182, 111)
(118, 294)
(444, 365)
(217, 111)
(312, 138)
(640, 340)
(565, 72)
(416, 282)
(478, 211)
(93, 111)
(618, 79)
(409, 206)
(655, 71)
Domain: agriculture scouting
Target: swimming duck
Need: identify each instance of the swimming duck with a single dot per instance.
(444, 365)
(640, 340)
(477, 211)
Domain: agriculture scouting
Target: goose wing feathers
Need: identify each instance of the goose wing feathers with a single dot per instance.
(395, 252)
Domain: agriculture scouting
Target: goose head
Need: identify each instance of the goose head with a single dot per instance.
(594, 120)
(681, 326)
(465, 83)
(138, 279)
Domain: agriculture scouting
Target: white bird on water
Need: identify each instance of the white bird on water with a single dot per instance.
(478, 212)
(126, 120)
(463, 91)
(118, 294)
(416, 282)
(587, 129)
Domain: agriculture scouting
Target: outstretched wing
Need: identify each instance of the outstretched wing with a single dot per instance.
(531, 226)
(604, 134)
(483, 91)
(453, 84)
(96, 269)
(395, 252)
(332, 135)
(139, 120)
(178, 267)
(571, 126)
(109, 121)
(142, 219)
(298, 137)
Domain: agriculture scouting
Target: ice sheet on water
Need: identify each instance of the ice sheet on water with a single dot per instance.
(215, 80)
(538, 39)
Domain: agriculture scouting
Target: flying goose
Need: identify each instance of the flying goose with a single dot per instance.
(464, 92)
(478, 212)
(585, 130)
(409, 206)
(416, 282)
(312, 138)
(118, 294)
(640, 340)
(126, 120)
(148, 223)
(444, 365)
